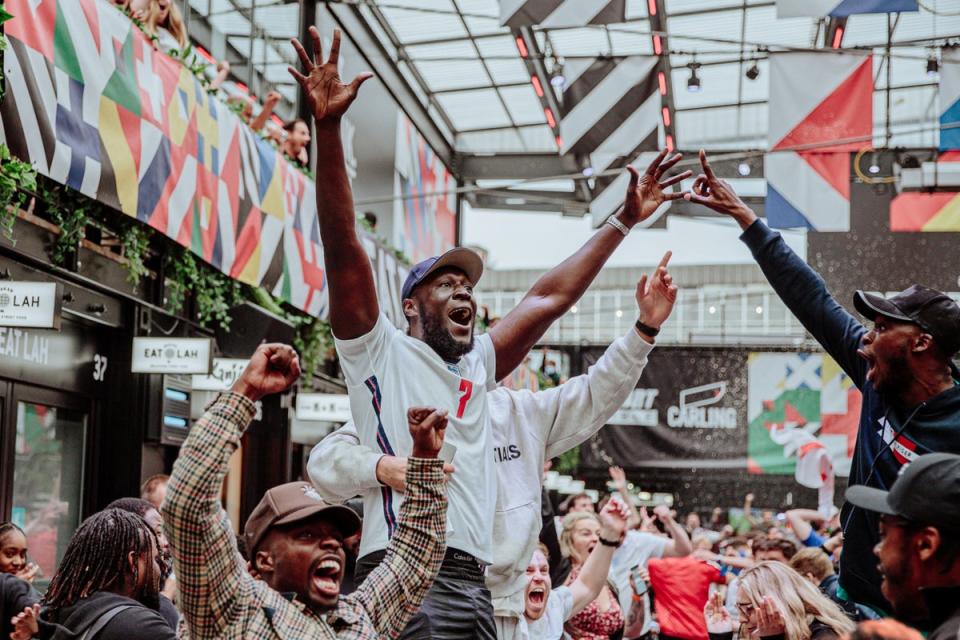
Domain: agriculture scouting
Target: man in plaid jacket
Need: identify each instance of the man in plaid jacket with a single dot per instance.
(294, 539)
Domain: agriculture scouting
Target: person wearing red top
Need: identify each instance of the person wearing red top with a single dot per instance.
(681, 587)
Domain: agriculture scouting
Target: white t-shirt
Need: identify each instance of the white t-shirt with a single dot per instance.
(637, 548)
(550, 625)
(387, 372)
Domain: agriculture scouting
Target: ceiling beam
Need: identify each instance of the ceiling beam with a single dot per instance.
(506, 166)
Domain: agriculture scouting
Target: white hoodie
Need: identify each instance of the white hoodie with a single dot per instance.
(528, 428)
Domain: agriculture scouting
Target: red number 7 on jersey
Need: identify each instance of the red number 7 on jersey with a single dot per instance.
(466, 389)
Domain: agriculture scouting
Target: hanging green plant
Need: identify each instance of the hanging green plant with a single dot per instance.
(4, 16)
(135, 242)
(314, 343)
(71, 211)
(213, 292)
(17, 180)
(569, 461)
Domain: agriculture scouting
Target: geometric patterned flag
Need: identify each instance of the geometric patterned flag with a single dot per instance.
(815, 120)
(918, 211)
(91, 104)
(841, 8)
(798, 403)
(950, 100)
(552, 14)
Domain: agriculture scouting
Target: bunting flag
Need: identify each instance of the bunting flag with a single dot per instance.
(815, 121)
(91, 104)
(610, 113)
(841, 8)
(801, 407)
(554, 14)
(918, 211)
(950, 99)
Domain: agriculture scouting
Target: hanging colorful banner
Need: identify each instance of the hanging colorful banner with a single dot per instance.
(841, 8)
(91, 104)
(950, 100)
(425, 209)
(815, 121)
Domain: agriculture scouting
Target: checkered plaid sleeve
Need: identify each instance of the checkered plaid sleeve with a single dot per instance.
(394, 591)
(211, 575)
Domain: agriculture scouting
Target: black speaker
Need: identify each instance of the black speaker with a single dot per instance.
(251, 326)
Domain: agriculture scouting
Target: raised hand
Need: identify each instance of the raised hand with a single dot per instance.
(613, 520)
(328, 97)
(717, 617)
(657, 295)
(273, 368)
(717, 194)
(427, 428)
(769, 619)
(619, 477)
(29, 572)
(662, 513)
(25, 624)
(646, 193)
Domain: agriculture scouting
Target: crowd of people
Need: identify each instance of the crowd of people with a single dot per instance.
(453, 535)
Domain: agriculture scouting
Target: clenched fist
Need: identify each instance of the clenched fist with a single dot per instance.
(427, 428)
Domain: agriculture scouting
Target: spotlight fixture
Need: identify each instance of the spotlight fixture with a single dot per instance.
(933, 66)
(557, 80)
(874, 168)
(743, 169)
(693, 82)
(753, 72)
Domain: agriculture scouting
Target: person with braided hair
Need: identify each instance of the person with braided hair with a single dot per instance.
(15, 591)
(107, 586)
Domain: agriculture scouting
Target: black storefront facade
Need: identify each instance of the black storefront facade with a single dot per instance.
(78, 429)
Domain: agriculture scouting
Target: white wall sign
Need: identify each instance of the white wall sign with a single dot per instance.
(30, 304)
(323, 406)
(225, 372)
(172, 355)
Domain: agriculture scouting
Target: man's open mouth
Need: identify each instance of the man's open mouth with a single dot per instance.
(538, 595)
(326, 577)
(462, 316)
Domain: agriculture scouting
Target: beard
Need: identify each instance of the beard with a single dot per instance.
(436, 335)
(896, 376)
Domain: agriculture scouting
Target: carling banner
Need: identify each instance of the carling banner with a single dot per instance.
(425, 209)
(688, 410)
(91, 104)
(816, 119)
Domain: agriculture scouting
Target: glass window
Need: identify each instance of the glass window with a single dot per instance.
(47, 480)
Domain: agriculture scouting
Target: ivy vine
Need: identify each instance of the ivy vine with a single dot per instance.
(135, 242)
(214, 293)
(71, 211)
(17, 180)
(4, 16)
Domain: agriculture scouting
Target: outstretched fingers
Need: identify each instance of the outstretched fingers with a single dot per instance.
(672, 180)
(634, 177)
(359, 80)
(707, 170)
(666, 166)
(302, 54)
(335, 48)
(317, 46)
(665, 260)
(652, 169)
(642, 286)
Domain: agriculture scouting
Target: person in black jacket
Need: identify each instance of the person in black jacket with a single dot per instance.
(107, 586)
(15, 595)
(902, 365)
(919, 550)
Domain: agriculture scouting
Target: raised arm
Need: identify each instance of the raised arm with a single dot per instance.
(212, 577)
(353, 295)
(799, 286)
(620, 481)
(394, 591)
(679, 544)
(269, 104)
(562, 286)
(800, 520)
(587, 586)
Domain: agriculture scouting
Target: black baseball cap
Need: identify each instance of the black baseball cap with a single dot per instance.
(461, 258)
(934, 311)
(923, 493)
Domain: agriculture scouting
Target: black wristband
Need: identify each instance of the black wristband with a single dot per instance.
(609, 543)
(646, 329)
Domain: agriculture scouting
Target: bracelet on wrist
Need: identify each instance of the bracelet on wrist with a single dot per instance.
(609, 543)
(646, 329)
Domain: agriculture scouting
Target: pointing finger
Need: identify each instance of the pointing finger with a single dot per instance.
(666, 166)
(642, 286)
(672, 180)
(665, 259)
(706, 165)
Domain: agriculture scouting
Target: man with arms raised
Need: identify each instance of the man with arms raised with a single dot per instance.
(439, 363)
(911, 397)
(294, 539)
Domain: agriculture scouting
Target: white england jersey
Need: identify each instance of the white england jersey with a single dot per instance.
(387, 372)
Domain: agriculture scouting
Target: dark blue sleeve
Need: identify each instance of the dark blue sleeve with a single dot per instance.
(806, 295)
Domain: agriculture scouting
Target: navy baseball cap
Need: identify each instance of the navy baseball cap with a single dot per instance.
(461, 258)
(933, 311)
(921, 493)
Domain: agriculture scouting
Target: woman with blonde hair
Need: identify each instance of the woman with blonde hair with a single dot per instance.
(601, 618)
(777, 603)
(165, 22)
